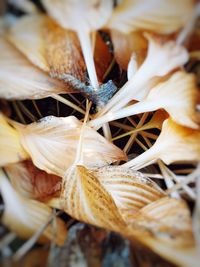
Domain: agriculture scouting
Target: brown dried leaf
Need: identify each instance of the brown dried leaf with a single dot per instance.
(32, 182)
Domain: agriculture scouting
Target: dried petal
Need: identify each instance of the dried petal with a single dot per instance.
(25, 217)
(175, 143)
(177, 95)
(11, 149)
(52, 144)
(165, 57)
(153, 15)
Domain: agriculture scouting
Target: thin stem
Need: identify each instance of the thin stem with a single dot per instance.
(37, 109)
(68, 103)
(18, 111)
(27, 112)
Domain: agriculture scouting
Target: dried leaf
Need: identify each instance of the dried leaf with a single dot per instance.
(175, 143)
(158, 16)
(85, 199)
(52, 143)
(28, 82)
(165, 227)
(24, 216)
(130, 190)
(178, 96)
(48, 46)
(10, 148)
(32, 182)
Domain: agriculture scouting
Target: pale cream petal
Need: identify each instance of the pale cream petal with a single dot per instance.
(159, 16)
(11, 149)
(52, 143)
(178, 96)
(161, 59)
(88, 15)
(175, 143)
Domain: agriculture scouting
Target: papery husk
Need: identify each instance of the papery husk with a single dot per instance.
(25, 217)
(84, 198)
(163, 17)
(175, 143)
(11, 149)
(165, 56)
(52, 143)
(127, 44)
(178, 96)
(48, 46)
(28, 82)
(32, 182)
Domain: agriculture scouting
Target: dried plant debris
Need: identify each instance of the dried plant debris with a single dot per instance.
(111, 178)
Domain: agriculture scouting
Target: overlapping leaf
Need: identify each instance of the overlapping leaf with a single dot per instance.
(52, 143)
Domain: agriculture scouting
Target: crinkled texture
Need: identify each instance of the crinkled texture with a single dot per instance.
(160, 16)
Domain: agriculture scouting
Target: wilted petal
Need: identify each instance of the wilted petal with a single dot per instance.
(28, 82)
(175, 143)
(161, 59)
(178, 96)
(25, 217)
(153, 15)
(32, 182)
(11, 149)
(52, 143)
